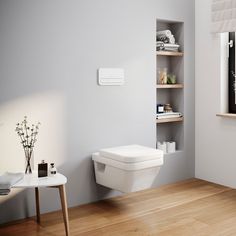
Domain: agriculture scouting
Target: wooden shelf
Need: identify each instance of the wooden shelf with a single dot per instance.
(169, 86)
(227, 115)
(173, 54)
(169, 120)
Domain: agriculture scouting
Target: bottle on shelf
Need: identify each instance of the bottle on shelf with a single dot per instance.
(52, 170)
(162, 74)
(42, 169)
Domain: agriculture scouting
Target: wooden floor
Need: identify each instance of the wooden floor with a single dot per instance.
(190, 208)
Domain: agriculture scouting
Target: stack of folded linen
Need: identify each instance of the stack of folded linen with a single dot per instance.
(168, 39)
(165, 36)
(168, 115)
(171, 47)
(160, 45)
(7, 180)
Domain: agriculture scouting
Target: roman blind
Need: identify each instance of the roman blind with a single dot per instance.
(223, 16)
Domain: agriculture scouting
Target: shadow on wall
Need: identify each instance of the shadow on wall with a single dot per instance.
(58, 94)
(56, 143)
(82, 184)
(49, 109)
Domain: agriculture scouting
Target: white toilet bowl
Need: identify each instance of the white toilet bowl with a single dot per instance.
(127, 168)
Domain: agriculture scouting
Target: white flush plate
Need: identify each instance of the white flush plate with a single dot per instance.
(111, 76)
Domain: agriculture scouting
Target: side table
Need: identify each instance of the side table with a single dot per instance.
(58, 181)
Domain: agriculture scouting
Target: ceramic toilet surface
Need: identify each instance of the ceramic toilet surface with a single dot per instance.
(131, 153)
(127, 168)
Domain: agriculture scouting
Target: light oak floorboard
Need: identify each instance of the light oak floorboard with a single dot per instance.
(192, 207)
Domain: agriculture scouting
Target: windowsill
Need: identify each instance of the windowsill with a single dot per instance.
(227, 115)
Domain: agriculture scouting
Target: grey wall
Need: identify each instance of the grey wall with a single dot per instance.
(215, 136)
(49, 55)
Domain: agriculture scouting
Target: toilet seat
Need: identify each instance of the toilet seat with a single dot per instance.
(131, 166)
(131, 153)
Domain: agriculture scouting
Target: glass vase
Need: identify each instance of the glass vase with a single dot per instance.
(28, 159)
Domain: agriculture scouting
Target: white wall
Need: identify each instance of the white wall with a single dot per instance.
(215, 137)
(50, 51)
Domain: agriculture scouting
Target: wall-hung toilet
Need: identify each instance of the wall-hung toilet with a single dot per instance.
(127, 168)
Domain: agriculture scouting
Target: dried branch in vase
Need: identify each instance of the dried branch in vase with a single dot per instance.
(27, 134)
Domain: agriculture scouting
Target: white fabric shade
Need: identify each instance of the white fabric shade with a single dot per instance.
(223, 16)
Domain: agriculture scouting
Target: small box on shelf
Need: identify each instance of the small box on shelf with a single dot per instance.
(167, 147)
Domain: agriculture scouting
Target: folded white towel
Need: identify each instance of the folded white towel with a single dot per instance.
(160, 45)
(169, 114)
(171, 39)
(4, 191)
(7, 180)
(166, 36)
(171, 49)
(167, 33)
(170, 45)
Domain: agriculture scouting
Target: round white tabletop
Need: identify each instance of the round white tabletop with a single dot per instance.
(57, 181)
(32, 181)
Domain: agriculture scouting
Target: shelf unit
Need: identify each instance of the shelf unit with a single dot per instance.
(171, 129)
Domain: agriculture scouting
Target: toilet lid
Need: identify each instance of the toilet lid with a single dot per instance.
(131, 153)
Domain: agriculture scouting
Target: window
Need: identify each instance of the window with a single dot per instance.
(232, 74)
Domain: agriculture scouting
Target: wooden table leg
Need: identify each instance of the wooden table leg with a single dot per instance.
(62, 191)
(37, 204)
